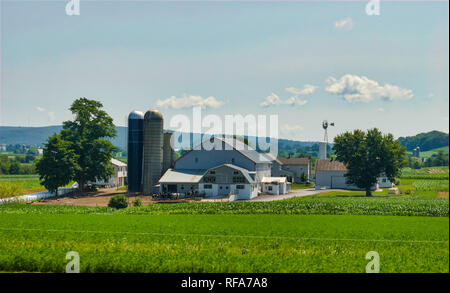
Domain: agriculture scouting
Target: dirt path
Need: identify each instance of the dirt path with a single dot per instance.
(292, 193)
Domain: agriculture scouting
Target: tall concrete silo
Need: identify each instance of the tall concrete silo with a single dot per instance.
(168, 153)
(135, 150)
(153, 150)
(322, 150)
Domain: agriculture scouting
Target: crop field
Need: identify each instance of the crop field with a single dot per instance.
(119, 242)
(327, 234)
(14, 185)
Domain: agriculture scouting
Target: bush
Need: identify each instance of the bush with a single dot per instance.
(118, 201)
(137, 202)
(8, 189)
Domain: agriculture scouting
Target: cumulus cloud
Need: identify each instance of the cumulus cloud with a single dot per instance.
(344, 24)
(308, 89)
(51, 115)
(188, 101)
(289, 128)
(355, 88)
(274, 100)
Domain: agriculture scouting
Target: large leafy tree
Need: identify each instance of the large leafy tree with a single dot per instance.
(56, 166)
(88, 134)
(368, 155)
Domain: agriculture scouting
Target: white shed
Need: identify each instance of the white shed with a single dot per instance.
(274, 185)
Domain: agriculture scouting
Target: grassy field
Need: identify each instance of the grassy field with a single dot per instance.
(14, 185)
(119, 242)
(428, 154)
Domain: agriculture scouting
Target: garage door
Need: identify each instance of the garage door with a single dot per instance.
(338, 182)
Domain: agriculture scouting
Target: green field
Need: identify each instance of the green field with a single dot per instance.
(14, 185)
(315, 234)
(222, 243)
(428, 154)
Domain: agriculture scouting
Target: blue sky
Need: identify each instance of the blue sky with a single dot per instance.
(315, 61)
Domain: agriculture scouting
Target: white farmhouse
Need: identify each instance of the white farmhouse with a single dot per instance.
(117, 179)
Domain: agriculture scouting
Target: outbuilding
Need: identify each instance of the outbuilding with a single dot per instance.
(275, 185)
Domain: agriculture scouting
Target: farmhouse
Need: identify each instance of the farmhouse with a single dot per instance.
(118, 178)
(219, 167)
(330, 174)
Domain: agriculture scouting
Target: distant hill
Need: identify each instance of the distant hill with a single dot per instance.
(38, 135)
(426, 141)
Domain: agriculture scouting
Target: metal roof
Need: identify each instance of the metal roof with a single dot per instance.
(273, 179)
(136, 114)
(182, 176)
(294, 161)
(327, 165)
(244, 172)
(246, 150)
(118, 163)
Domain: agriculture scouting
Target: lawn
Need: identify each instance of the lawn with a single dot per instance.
(119, 242)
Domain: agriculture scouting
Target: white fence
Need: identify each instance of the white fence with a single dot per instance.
(36, 196)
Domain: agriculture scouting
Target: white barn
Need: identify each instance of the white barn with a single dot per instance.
(216, 168)
(330, 174)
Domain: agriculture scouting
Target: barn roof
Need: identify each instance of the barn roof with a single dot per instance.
(294, 161)
(182, 176)
(327, 165)
(118, 163)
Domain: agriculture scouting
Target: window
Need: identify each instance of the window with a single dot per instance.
(207, 186)
(269, 187)
(384, 180)
(240, 187)
(236, 172)
(232, 160)
(209, 179)
(212, 172)
(196, 160)
(238, 179)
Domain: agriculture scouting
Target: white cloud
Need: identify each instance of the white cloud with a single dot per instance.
(51, 116)
(308, 89)
(380, 110)
(289, 128)
(274, 100)
(188, 101)
(40, 109)
(355, 88)
(344, 24)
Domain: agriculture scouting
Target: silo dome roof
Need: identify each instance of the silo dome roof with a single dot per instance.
(153, 115)
(136, 115)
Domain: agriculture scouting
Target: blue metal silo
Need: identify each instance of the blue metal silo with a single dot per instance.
(135, 150)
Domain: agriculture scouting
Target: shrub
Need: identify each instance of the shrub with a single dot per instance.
(118, 201)
(137, 202)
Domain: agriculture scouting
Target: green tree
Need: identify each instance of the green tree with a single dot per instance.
(56, 166)
(14, 167)
(303, 177)
(88, 134)
(367, 155)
